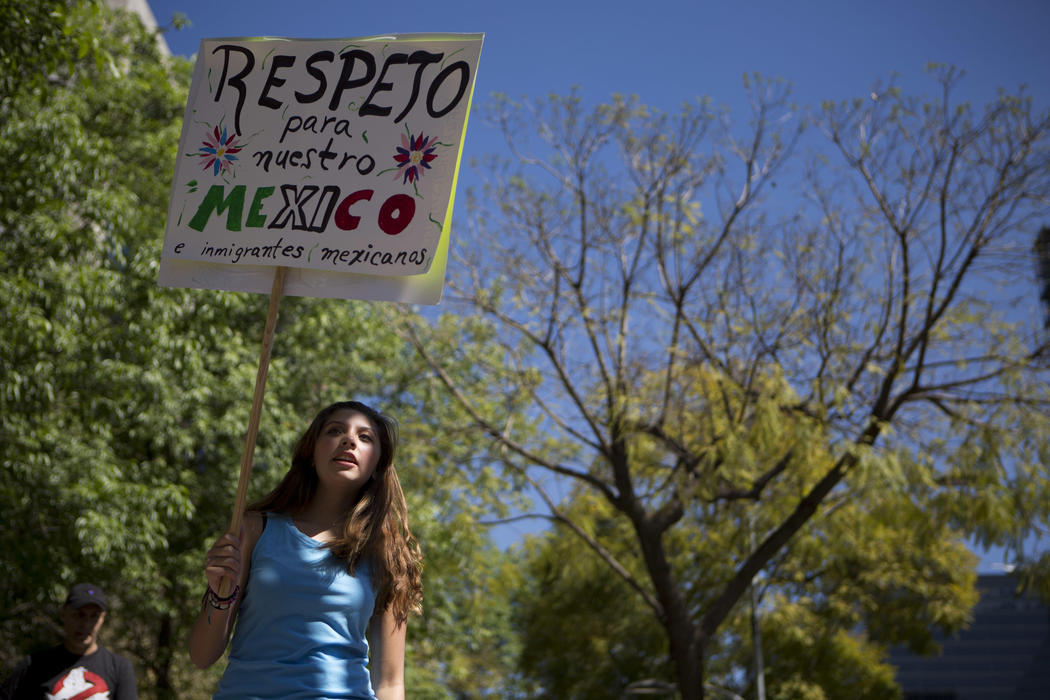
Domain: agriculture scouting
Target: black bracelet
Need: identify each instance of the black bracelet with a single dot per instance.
(214, 600)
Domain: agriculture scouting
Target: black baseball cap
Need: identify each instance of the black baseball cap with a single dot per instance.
(86, 594)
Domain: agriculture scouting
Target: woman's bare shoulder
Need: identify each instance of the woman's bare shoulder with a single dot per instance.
(254, 522)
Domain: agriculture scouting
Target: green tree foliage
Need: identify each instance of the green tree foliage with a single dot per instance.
(584, 634)
(681, 284)
(123, 405)
(875, 572)
(79, 386)
(34, 42)
(467, 647)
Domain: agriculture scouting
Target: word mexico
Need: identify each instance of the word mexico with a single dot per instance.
(359, 69)
(304, 208)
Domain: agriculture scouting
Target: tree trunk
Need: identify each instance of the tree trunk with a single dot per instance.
(162, 661)
(685, 648)
(689, 667)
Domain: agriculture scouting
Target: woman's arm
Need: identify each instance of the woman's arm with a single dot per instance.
(229, 558)
(388, 656)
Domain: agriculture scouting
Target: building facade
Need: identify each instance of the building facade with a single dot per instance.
(1003, 655)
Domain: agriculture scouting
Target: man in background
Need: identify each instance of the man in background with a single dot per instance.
(78, 667)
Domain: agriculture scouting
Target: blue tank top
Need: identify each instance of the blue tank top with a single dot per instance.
(301, 626)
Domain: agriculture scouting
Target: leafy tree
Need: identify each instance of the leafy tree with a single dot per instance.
(584, 633)
(847, 585)
(34, 42)
(123, 405)
(858, 279)
(68, 242)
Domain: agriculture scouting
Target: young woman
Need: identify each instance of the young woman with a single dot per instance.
(323, 557)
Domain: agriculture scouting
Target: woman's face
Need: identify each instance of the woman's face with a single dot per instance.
(347, 451)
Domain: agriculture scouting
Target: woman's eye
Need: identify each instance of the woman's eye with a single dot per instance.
(365, 437)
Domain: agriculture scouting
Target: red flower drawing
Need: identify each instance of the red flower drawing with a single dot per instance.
(414, 155)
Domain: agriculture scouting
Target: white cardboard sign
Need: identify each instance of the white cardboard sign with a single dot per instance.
(334, 158)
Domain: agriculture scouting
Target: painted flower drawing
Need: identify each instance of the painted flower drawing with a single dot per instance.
(414, 156)
(219, 151)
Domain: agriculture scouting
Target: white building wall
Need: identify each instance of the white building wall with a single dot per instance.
(142, 9)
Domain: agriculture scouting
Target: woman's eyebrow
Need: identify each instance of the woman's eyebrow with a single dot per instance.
(346, 424)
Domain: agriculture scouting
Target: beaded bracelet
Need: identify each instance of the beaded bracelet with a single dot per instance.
(212, 599)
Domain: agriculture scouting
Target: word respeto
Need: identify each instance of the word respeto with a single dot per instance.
(358, 70)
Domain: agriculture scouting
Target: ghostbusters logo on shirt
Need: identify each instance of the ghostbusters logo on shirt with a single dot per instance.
(80, 684)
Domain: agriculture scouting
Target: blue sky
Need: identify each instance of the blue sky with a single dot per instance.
(671, 51)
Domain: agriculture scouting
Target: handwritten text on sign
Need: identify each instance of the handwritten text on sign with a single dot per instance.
(335, 155)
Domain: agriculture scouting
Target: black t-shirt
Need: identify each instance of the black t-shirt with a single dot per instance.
(58, 674)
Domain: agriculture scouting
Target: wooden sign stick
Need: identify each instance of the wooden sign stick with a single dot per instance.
(253, 418)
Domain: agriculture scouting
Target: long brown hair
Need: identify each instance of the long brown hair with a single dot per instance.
(376, 526)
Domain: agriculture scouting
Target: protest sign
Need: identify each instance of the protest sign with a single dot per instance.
(336, 159)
